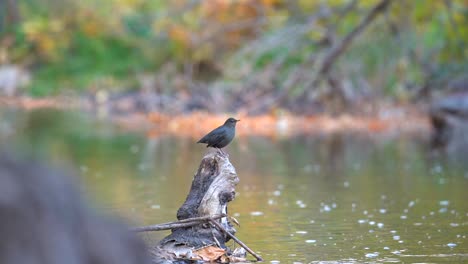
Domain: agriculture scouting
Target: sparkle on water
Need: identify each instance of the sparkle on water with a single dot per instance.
(310, 199)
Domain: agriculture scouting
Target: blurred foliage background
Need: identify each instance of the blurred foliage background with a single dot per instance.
(251, 50)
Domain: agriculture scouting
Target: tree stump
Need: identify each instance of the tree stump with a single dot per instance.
(449, 117)
(213, 187)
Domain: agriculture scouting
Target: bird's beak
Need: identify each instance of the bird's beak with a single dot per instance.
(237, 120)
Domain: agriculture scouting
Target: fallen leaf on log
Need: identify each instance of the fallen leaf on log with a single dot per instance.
(210, 253)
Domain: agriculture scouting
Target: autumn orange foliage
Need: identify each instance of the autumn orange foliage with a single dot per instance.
(221, 25)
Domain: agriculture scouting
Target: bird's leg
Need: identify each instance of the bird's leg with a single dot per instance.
(222, 151)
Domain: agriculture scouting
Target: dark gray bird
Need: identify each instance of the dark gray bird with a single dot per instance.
(221, 136)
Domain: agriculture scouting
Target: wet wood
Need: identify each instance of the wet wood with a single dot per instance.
(213, 187)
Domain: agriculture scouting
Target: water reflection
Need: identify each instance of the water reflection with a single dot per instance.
(348, 197)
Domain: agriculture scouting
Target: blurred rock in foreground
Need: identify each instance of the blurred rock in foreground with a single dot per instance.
(43, 219)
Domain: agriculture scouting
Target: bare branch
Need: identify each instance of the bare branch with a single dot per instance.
(338, 49)
(177, 224)
(220, 227)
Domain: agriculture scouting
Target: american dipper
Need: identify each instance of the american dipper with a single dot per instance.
(221, 136)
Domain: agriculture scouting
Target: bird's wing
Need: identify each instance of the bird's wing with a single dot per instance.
(214, 136)
(216, 139)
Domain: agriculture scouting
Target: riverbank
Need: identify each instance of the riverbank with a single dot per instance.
(388, 119)
(284, 125)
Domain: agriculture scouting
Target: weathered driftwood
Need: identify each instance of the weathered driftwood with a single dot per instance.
(213, 187)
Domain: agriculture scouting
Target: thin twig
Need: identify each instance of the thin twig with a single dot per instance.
(177, 224)
(236, 239)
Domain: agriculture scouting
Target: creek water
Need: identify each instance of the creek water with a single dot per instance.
(322, 198)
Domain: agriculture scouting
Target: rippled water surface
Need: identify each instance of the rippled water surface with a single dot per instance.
(336, 198)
